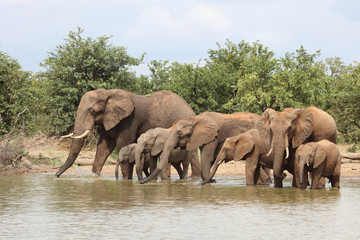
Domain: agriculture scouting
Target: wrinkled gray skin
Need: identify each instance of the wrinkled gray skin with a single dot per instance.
(153, 142)
(206, 131)
(290, 128)
(321, 159)
(123, 117)
(250, 147)
(127, 155)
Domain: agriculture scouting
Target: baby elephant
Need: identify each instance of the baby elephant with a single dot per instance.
(127, 155)
(322, 159)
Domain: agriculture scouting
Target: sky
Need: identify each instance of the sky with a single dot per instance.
(182, 30)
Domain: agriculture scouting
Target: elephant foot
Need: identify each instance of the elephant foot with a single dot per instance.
(208, 181)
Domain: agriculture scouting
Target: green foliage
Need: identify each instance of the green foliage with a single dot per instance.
(235, 77)
(14, 94)
(81, 65)
(345, 102)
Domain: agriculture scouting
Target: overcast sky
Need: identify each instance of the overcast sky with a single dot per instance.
(182, 30)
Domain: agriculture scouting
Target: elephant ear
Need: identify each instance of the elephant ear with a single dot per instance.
(118, 107)
(132, 153)
(319, 157)
(205, 130)
(243, 146)
(263, 124)
(159, 143)
(303, 128)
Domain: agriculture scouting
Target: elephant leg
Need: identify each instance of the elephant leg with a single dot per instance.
(315, 180)
(127, 170)
(321, 182)
(146, 168)
(185, 167)
(265, 178)
(335, 181)
(207, 157)
(104, 148)
(250, 169)
(293, 169)
(195, 164)
(166, 172)
(152, 163)
(178, 169)
(305, 182)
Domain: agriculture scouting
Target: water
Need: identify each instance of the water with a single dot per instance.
(86, 207)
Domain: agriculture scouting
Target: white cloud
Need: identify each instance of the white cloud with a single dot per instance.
(209, 18)
(155, 22)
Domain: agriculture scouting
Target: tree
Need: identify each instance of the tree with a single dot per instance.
(81, 65)
(249, 70)
(14, 94)
(345, 105)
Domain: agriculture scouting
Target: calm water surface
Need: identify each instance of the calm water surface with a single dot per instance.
(86, 207)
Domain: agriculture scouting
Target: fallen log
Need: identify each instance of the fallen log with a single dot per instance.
(352, 156)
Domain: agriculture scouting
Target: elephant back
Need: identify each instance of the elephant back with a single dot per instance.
(166, 108)
(324, 125)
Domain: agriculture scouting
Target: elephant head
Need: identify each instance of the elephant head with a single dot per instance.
(126, 154)
(153, 142)
(190, 133)
(104, 107)
(234, 148)
(309, 155)
(278, 129)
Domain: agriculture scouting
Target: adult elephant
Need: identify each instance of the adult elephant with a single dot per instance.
(292, 127)
(123, 117)
(153, 142)
(206, 131)
(250, 147)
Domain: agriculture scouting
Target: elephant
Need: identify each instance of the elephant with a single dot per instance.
(123, 116)
(153, 142)
(250, 147)
(321, 159)
(127, 155)
(206, 131)
(293, 127)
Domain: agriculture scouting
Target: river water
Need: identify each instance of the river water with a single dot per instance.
(87, 207)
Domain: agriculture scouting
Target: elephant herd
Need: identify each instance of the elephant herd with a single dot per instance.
(163, 126)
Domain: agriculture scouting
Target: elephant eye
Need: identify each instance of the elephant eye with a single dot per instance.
(179, 132)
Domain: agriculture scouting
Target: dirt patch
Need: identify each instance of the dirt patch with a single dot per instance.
(47, 154)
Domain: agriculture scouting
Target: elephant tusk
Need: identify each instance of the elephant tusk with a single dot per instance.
(82, 135)
(66, 136)
(287, 152)
(271, 149)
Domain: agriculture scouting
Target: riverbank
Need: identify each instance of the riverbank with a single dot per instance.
(46, 155)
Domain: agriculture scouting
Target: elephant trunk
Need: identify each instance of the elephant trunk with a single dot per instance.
(214, 168)
(301, 161)
(139, 160)
(301, 172)
(78, 139)
(76, 146)
(164, 157)
(279, 149)
(117, 169)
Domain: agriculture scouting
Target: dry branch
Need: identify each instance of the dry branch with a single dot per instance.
(353, 156)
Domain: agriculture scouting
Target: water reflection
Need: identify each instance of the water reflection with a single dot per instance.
(72, 207)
